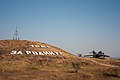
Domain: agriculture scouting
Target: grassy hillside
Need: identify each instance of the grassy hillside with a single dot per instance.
(22, 67)
(57, 67)
(6, 46)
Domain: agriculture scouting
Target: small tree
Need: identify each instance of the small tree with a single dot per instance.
(76, 66)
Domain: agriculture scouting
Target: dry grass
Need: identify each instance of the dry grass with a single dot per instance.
(22, 67)
(32, 67)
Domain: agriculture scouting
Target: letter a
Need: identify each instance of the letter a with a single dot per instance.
(19, 52)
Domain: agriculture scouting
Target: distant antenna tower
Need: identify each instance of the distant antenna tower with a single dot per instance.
(16, 36)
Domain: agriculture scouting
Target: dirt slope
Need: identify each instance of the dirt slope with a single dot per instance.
(51, 67)
(7, 46)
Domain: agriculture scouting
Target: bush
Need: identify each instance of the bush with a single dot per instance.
(76, 66)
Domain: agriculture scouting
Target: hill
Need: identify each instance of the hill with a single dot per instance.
(30, 47)
(47, 62)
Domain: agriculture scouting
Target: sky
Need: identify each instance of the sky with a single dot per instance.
(77, 26)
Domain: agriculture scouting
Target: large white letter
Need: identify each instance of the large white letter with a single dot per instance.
(19, 52)
(58, 53)
(31, 45)
(28, 52)
(37, 46)
(51, 53)
(40, 53)
(13, 52)
(34, 52)
(45, 52)
(43, 46)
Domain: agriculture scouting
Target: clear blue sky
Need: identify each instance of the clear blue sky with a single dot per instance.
(77, 26)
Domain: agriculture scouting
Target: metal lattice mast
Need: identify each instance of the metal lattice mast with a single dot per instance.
(16, 35)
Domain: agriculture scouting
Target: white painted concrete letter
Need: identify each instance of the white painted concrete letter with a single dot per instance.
(34, 52)
(28, 52)
(40, 53)
(13, 52)
(19, 52)
(31, 45)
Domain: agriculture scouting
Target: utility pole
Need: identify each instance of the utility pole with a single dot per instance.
(16, 36)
